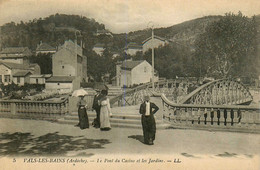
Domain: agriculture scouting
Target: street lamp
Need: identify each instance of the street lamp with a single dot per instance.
(151, 23)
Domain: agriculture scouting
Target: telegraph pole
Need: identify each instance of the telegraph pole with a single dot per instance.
(152, 53)
(152, 60)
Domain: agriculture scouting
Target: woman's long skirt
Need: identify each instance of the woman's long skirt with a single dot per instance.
(104, 118)
(83, 118)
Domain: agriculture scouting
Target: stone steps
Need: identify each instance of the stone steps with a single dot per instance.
(117, 120)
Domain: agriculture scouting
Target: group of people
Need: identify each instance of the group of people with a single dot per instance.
(102, 107)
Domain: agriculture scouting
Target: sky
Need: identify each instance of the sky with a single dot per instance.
(120, 16)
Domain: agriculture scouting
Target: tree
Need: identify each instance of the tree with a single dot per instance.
(170, 61)
(228, 47)
(44, 61)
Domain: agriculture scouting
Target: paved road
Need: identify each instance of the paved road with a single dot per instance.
(42, 138)
(58, 137)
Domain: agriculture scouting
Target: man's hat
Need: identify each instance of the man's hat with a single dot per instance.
(146, 98)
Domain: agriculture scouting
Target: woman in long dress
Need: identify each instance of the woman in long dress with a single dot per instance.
(105, 112)
(82, 113)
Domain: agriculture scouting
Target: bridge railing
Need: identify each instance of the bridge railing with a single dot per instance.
(160, 85)
(122, 97)
(214, 116)
(34, 109)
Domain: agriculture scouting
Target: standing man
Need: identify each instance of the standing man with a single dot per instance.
(97, 107)
(147, 110)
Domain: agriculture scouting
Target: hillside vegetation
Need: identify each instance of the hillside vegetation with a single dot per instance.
(192, 51)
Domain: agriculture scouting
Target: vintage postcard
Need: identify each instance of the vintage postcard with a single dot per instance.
(137, 84)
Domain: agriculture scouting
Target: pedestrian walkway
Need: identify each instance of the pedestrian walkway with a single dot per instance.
(21, 137)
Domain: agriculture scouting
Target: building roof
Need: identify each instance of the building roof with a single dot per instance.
(14, 50)
(36, 76)
(45, 47)
(133, 45)
(46, 75)
(21, 74)
(14, 65)
(40, 75)
(129, 65)
(60, 79)
(156, 37)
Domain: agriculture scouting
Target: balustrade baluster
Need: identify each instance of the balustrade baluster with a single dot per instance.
(54, 109)
(50, 109)
(205, 115)
(190, 116)
(26, 109)
(30, 109)
(229, 119)
(36, 109)
(186, 116)
(4, 108)
(194, 116)
(232, 115)
(222, 117)
(22, 108)
(39, 106)
(225, 116)
(182, 115)
(212, 116)
(218, 116)
(18, 111)
(60, 108)
(170, 111)
(178, 113)
(235, 119)
(199, 113)
(45, 109)
(33, 108)
(251, 121)
(245, 118)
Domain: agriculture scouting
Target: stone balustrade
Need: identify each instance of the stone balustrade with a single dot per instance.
(34, 109)
(225, 117)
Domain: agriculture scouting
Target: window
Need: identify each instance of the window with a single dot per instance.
(79, 59)
(62, 67)
(18, 80)
(58, 83)
(37, 81)
(0, 79)
(7, 78)
(145, 69)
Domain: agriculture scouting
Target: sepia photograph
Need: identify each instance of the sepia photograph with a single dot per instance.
(130, 84)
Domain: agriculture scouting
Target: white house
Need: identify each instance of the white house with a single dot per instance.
(45, 48)
(10, 72)
(132, 48)
(68, 64)
(104, 32)
(157, 42)
(21, 77)
(39, 79)
(99, 48)
(60, 82)
(16, 55)
(131, 73)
